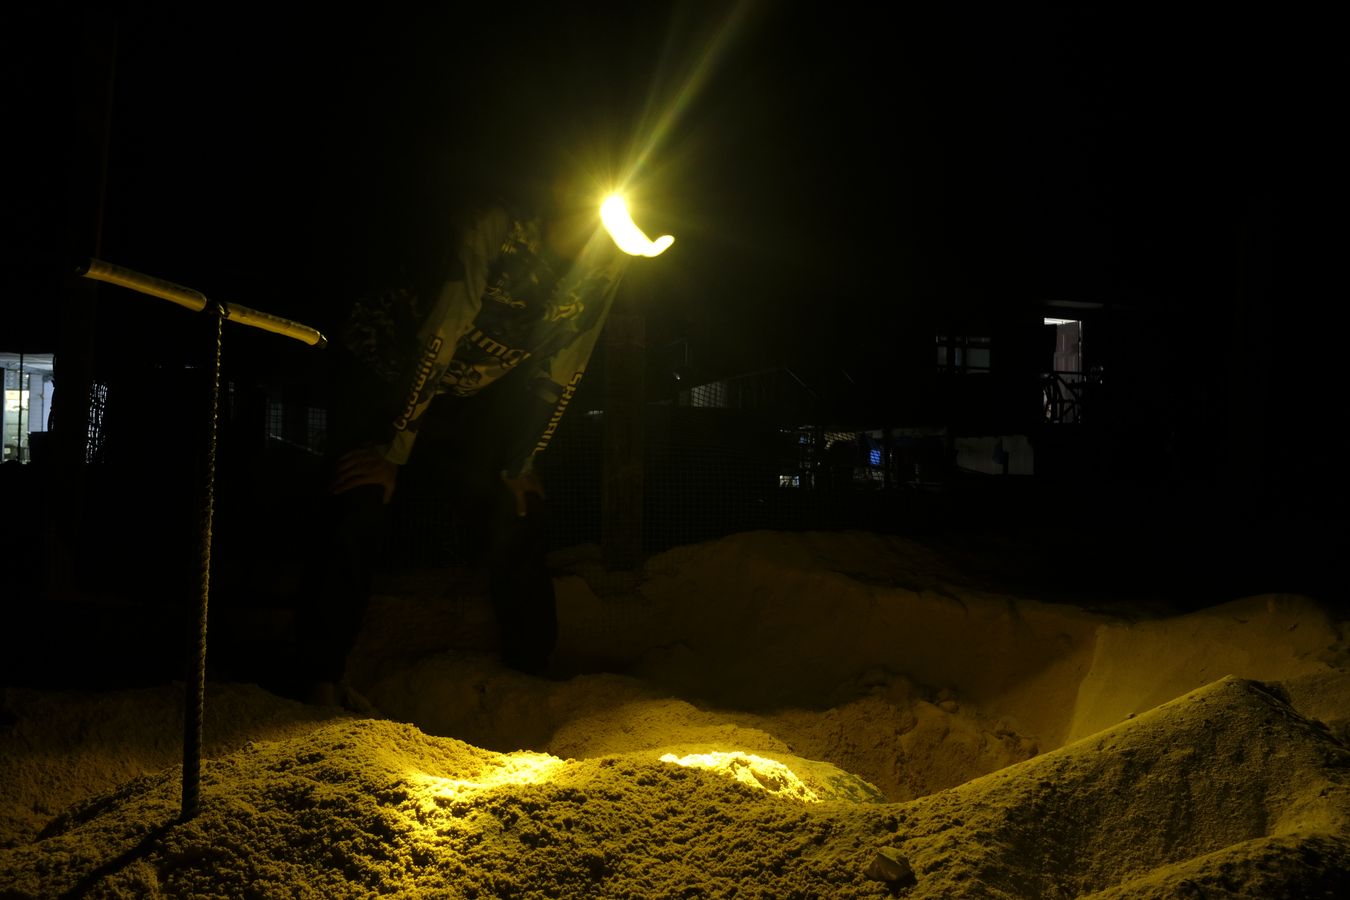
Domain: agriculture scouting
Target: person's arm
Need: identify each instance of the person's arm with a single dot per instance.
(549, 390)
(457, 304)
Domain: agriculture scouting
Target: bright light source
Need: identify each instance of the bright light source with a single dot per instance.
(1061, 321)
(629, 238)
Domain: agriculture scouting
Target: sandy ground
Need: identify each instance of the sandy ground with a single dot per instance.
(767, 715)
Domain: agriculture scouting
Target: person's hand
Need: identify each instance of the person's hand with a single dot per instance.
(361, 467)
(521, 487)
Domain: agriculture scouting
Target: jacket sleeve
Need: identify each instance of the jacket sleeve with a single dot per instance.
(551, 386)
(457, 304)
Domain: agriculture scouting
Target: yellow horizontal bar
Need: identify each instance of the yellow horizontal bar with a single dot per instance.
(275, 324)
(196, 301)
(99, 270)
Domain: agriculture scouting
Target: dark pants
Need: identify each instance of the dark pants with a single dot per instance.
(457, 462)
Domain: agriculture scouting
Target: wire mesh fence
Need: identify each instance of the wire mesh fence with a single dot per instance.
(713, 463)
(707, 473)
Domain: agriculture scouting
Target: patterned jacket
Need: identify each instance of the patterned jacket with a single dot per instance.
(506, 302)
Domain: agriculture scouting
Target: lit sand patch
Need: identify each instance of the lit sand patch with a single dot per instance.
(766, 774)
(508, 769)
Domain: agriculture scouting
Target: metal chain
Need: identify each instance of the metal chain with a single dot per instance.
(195, 699)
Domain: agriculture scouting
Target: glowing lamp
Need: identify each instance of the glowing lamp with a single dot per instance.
(626, 235)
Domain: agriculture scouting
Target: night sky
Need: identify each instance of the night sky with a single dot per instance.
(829, 170)
(839, 181)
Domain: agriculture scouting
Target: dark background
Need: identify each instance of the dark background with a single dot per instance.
(839, 178)
(827, 169)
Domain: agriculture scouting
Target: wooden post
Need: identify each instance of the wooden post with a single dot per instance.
(622, 475)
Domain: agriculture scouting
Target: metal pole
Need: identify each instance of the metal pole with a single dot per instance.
(622, 475)
(195, 699)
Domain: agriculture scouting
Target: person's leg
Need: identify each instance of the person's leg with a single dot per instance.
(514, 550)
(345, 545)
(337, 583)
(522, 586)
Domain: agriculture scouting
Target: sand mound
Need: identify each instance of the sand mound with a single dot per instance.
(1224, 790)
(1219, 787)
(802, 715)
(60, 747)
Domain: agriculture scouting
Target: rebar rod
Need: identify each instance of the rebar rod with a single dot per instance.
(195, 699)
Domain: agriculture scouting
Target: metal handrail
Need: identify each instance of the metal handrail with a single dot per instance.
(1064, 396)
